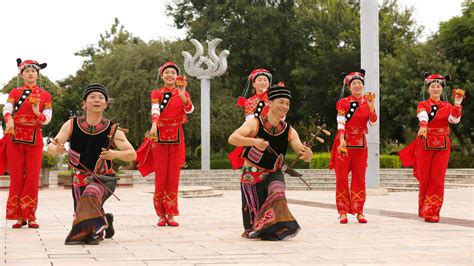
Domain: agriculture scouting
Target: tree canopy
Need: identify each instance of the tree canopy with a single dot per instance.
(305, 43)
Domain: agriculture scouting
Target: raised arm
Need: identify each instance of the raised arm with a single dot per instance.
(456, 110)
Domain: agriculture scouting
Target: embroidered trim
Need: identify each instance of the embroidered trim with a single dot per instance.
(270, 129)
(92, 130)
(31, 142)
(363, 146)
(432, 113)
(166, 100)
(22, 99)
(259, 108)
(255, 155)
(444, 147)
(172, 141)
(74, 157)
(353, 107)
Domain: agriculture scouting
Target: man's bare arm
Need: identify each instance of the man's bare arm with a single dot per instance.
(245, 136)
(305, 153)
(56, 147)
(126, 151)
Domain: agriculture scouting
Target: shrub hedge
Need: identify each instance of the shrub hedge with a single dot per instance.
(321, 161)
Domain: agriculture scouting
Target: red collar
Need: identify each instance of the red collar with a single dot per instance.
(434, 101)
(26, 87)
(262, 95)
(168, 89)
(356, 99)
(270, 128)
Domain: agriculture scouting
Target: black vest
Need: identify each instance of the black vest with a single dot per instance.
(86, 142)
(279, 142)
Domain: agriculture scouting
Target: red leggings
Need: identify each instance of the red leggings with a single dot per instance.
(351, 199)
(24, 165)
(167, 160)
(431, 168)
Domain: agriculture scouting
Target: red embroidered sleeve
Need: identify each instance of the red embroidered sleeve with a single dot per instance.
(373, 117)
(155, 105)
(423, 124)
(456, 111)
(155, 96)
(12, 96)
(41, 118)
(47, 101)
(7, 117)
(422, 107)
(342, 106)
(189, 106)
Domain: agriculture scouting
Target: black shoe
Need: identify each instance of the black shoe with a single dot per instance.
(269, 237)
(110, 231)
(78, 242)
(92, 241)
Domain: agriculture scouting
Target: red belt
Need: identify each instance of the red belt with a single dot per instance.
(438, 131)
(354, 130)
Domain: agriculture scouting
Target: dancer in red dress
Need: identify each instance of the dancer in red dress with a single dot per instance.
(28, 108)
(170, 106)
(254, 106)
(349, 151)
(257, 104)
(429, 153)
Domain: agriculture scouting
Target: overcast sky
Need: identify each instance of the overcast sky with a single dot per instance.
(52, 31)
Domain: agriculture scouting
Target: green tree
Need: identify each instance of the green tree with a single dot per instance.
(308, 42)
(249, 32)
(402, 87)
(447, 52)
(128, 67)
(456, 41)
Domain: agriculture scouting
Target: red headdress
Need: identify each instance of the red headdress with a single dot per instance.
(430, 78)
(167, 65)
(253, 75)
(360, 75)
(29, 63)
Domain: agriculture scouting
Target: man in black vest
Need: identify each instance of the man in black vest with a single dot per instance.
(89, 137)
(264, 208)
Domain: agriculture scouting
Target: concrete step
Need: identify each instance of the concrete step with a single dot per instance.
(194, 190)
(308, 173)
(401, 189)
(416, 184)
(237, 181)
(209, 195)
(325, 177)
(198, 192)
(319, 179)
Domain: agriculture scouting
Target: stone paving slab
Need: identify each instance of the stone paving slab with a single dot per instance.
(210, 229)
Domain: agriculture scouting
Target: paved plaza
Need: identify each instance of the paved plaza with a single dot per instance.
(210, 232)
